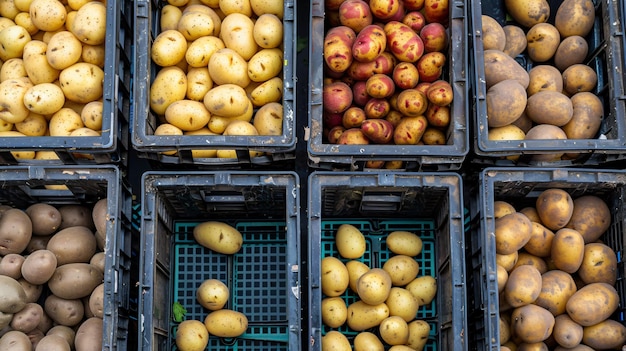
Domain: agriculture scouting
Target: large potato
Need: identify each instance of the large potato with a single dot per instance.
(237, 32)
(75, 280)
(555, 208)
(39, 266)
(556, 288)
(418, 334)
(67, 312)
(571, 50)
(228, 100)
(374, 286)
(195, 24)
(226, 66)
(36, 63)
(370, 42)
(394, 330)
(567, 250)
(500, 66)
(191, 335)
(63, 50)
(493, 34)
(15, 340)
(404, 243)
(218, 236)
(89, 26)
(11, 265)
(402, 269)
(199, 51)
(338, 48)
(575, 17)
(334, 340)
(12, 297)
(366, 341)
(168, 48)
(599, 264)
(89, 335)
(268, 31)
(515, 40)
(506, 101)
(523, 286)
(540, 242)
(544, 77)
(82, 82)
(550, 107)
(13, 39)
(592, 304)
(334, 276)
(531, 323)
(528, 12)
(334, 311)
(260, 7)
(226, 323)
(265, 64)
(362, 316)
(199, 82)
(187, 115)
(73, 245)
(579, 77)
(267, 93)
(566, 332)
(512, 232)
(15, 231)
(543, 40)
(405, 43)
(44, 98)
(402, 303)
(587, 114)
(608, 334)
(12, 92)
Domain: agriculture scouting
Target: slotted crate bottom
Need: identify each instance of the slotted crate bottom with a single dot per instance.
(376, 253)
(256, 277)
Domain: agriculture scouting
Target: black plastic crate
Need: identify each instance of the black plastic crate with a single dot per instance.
(263, 277)
(112, 145)
(23, 186)
(150, 146)
(323, 155)
(606, 57)
(377, 203)
(521, 187)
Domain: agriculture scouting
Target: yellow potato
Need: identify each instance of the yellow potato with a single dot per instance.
(168, 48)
(228, 100)
(169, 85)
(195, 24)
(334, 311)
(212, 294)
(362, 316)
(82, 82)
(44, 98)
(404, 243)
(268, 120)
(47, 15)
(36, 63)
(89, 26)
(91, 115)
(424, 288)
(266, 92)
(191, 335)
(531, 323)
(402, 303)
(512, 232)
(568, 249)
(523, 286)
(199, 82)
(218, 236)
(336, 341)
(238, 34)
(373, 286)
(199, 51)
(64, 122)
(226, 66)
(394, 330)
(12, 68)
(260, 7)
(556, 288)
(355, 270)
(23, 20)
(366, 341)
(268, 31)
(168, 129)
(239, 127)
(170, 15)
(215, 17)
(63, 50)
(187, 115)
(599, 264)
(6, 126)
(84, 131)
(12, 92)
(265, 65)
(608, 334)
(350, 242)
(334, 276)
(226, 323)
(402, 269)
(33, 125)
(93, 54)
(418, 334)
(566, 332)
(507, 261)
(592, 304)
(238, 7)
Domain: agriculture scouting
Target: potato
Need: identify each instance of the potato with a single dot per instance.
(369, 43)
(28, 318)
(374, 286)
(543, 40)
(512, 232)
(506, 101)
(440, 93)
(13, 39)
(430, 66)
(67, 312)
(599, 264)
(12, 68)
(380, 86)
(89, 335)
(226, 66)
(575, 17)
(434, 37)
(515, 40)
(39, 266)
(334, 340)
(67, 333)
(228, 100)
(502, 276)
(404, 243)
(493, 34)
(33, 292)
(334, 276)
(355, 270)
(555, 208)
(531, 323)
(592, 304)
(44, 98)
(334, 311)
(579, 77)
(238, 34)
(64, 122)
(338, 48)
(93, 54)
(73, 245)
(528, 13)
(402, 303)
(199, 82)
(410, 129)
(187, 115)
(195, 24)
(170, 15)
(377, 108)
(267, 92)
(15, 340)
(405, 43)
(218, 236)
(523, 286)
(191, 335)
(350, 242)
(11, 265)
(199, 51)
(226, 323)
(549, 132)
(89, 26)
(566, 332)
(394, 330)
(571, 50)
(587, 115)
(363, 316)
(524, 258)
(75, 280)
(508, 132)
(402, 269)
(366, 341)
(82, 82)
(53, 343)
(63, 50)
(36, 63)
(15, 231)
(567, 250)
(550, 107)
(540, 242)
(265, 65)
(239, 127)
(378, 131)
(384, 63)
(268, 31)
(608, 334)
(556, 288)
(500, 66)
(418, 334)
(96, 301)
(544, 77)
(169, 85)
(12, 92)
(212, 294)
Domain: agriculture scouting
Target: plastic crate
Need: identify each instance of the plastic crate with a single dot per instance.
(521, 187)
(148, 145)
(23, 186)
(378, 203)
(606, 57)
(323, 155)
(263, 277)
(112, 145)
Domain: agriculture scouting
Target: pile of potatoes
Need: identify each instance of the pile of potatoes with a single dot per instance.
(383, 64)
(220, 65)
(554, 100)
(51, 69)
(386, 299)
(213, 294)
(555, 276)
(51, 277)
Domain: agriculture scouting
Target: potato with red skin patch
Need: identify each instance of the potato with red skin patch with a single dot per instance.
(434, 37)
(353, 117)
(359, 93)
(369, 43)
(378, 131)
(353, 136)
(403, 42)
(377, 108)
(334, 134)
(415, 20)
(423, 86)
(412, 102)
(384, 9)
(430, 66)
(436, 11)
(338, 48)
(410, 130)
(337, 97)
(384, 63)
(440, 93)
(438, 116)
(405, 75)
(332, 119)
(413, 5)
(355, 14)
(380, 86)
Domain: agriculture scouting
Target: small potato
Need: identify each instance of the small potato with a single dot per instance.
(89, 26)
(404, 243)
(440, 93)
(76, 215)
(218, 236)
(168, 48)
(11, 265)
(362, 316)
(191, 335)
(384, 9)
(68, 334)
(608, 334)
(91, 115)
(199, 82)
(406, 45)
(33, 125)
(265, 65)
(170, 15)
(82, 82)
(544, 77)
(575, 17)
(355, 270)
(53, 342)
(28, 318)
(524, 258)
(405, 75)
(512, 232)
(508, 132)
(36, 63)
(587, 114)
(63, 50)
(578, 78)
(540, 242)
(591, 217)
(44, 98)
(15, 340)
(226, 323)
(47, 15)
(523, 286)
(12, 92)
(240, 128)
(169, 85)
(93, 54)
(337, 51)
(515, 40)
(238, 34)
(267, 92)
(23, 19)
(599, 264)
(96, 301)
(434, 37)
(378, 131)
(592, 304)
(268, 31)
(543, 132)
(195, 24)
(199, 51)
(373, 286)
(260, 7)
(13, 39)
(334, 311)
(528, 13)
(228, 100)
(64, 122)
(418, 334)
(493, 34)
(334, 278)
(15, 231)
(410, 130)
(500, 66)
(556, 288)
(567, 250)
(555, 208)
(12, 68)
(384, 63)
(543, 40)
(412, 103)
(39, 266)
(402, 303)
(377, 108)
(531, 323)
(366, 341)
(506, 101)
(402, 269)
(67, 312)
(571, 50)
(380, 86)
(566, 332)
(430, 66)
(89, 335)
(394, 330)
(334, 340)
(187, 115)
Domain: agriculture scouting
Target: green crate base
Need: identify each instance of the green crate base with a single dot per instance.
(255, 275)
(376, 253)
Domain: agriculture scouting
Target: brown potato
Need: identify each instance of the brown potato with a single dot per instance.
(546, 132)
(592, 304)
(89, 335)
(67, 312)
(46, 218)
(566, 332)
(75, 280)
(39, 266)
(575, 17)
(571, 50)
(579, 77)
(493, 34)
(506, 100)
(540, 242)
(15, 231)
(523, 286)
(587, 114)
(33, 292)
(28, 318)
(73, 245)
(544, 77)
(555, 208)
(500, 66)
(524, 258)
(515, 40)
(502, 208)
(531, 323)
(11, 265)
(512, 232)
(568, 249)
(528, 12)
(507, 261)
(556, 288)
(608, 334)
(599, 264)
(76, 215)
(503, 277)
(543, 40)
(550, 107)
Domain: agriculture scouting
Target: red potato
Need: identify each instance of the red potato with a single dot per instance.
(434, 37)
(430, 66)
(337, 97)
(440, 93)
(399, 14)
(334, 134)
(438, 116)
(415, 20)
(359, 93)
(331, 18)
(384, 9)
(380, 86)
(410, 130)
(403, 42)
(377, 108)
(333, 4)
(355, 14)
(436, 11)
(423, 86)
(353, 117)
(369, 43)
(338, 48)
(353, 136)
(413, 5)
(332, 119)
(412, 102)
(363, 70)
(378, 131)
(405, 75)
